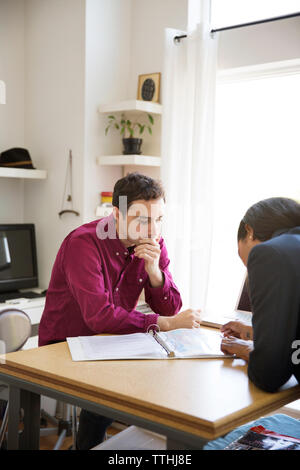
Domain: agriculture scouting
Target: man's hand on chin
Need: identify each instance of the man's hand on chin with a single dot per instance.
(148, 249)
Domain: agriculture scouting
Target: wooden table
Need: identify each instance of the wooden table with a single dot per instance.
(190, 401)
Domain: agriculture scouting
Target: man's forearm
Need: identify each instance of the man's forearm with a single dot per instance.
(164, 323)
(157, 279)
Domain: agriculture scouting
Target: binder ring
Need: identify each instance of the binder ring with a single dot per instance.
(154, 328)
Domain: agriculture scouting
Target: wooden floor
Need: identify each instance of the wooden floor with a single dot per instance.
(48, 442)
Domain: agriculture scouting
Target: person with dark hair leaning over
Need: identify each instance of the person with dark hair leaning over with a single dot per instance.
(99, 273)
(269, 246)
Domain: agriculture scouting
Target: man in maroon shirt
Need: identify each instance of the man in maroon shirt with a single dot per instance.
(99, 273)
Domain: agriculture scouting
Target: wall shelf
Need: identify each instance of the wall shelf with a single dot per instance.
(131, 105)
(135, 107)
(22, 173)
(122, 160)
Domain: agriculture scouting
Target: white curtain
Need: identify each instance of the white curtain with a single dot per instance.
(189, 79)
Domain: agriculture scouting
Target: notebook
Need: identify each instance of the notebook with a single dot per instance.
(242, 311)
(259, 438)
(182, 343)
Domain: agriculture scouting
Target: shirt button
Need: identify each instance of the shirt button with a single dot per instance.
(140, 280)
(166, 298)
(126, 253)
(117, 253)
(117, 289)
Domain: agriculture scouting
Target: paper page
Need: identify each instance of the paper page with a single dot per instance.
(193, 343)
(132, 346)
(75, 349)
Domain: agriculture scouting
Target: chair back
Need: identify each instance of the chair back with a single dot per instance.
(15, 329)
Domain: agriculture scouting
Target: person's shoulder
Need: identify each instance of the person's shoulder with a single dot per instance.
(83, 233)
(264, 252)
(83, 237)
(277, 253)
(85, 230)
(96, 234)
(286, 243)
(290, 239)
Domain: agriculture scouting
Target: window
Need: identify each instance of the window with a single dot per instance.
(257, 155)
(231, 12)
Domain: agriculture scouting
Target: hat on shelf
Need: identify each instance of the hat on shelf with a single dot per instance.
(16, 158)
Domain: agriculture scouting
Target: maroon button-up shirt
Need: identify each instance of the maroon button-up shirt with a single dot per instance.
(95, 285)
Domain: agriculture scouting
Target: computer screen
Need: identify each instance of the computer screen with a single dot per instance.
(244, 302)
(18, 259)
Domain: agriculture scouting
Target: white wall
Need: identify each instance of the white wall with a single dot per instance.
(269, 42)
(12, 113)
(149, 20)
(124, 38)
(108, 33)
(60, 60)
(261, 43)
(54, 118)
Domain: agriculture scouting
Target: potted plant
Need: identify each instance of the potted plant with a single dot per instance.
(131, 132)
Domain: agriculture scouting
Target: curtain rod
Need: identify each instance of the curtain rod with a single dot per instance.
(242, 25)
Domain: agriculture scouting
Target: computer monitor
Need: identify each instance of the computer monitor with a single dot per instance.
(18, 257)
(241, 312)
(243, 302)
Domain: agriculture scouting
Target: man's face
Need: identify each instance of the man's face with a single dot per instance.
(142, 220)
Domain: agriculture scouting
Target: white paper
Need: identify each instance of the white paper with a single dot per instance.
(193, 343)
(186, 343)
(133, 346)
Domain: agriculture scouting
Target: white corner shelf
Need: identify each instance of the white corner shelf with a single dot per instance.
(122, 160)
(131, 105)
(22, 173)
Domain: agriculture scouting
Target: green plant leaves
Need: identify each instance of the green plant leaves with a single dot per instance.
(151, 119)
(126, 126)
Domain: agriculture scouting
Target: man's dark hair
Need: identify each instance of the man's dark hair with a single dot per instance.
(136, 186)
(269, 215)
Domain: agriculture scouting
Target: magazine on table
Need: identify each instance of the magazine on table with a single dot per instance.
(259, 438)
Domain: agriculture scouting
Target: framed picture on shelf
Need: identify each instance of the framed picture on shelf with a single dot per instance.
(149, 87)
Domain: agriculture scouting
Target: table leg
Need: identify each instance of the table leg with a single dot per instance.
(13, 419)
(30, 437)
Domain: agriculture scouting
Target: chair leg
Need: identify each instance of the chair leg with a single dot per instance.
(4, 426)
(74, 420)
(67, 426)
(74, 426)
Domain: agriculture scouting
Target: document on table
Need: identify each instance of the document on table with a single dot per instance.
(181, 343)
(132, 346)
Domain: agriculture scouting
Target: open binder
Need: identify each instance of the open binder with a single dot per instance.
(175, 344)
